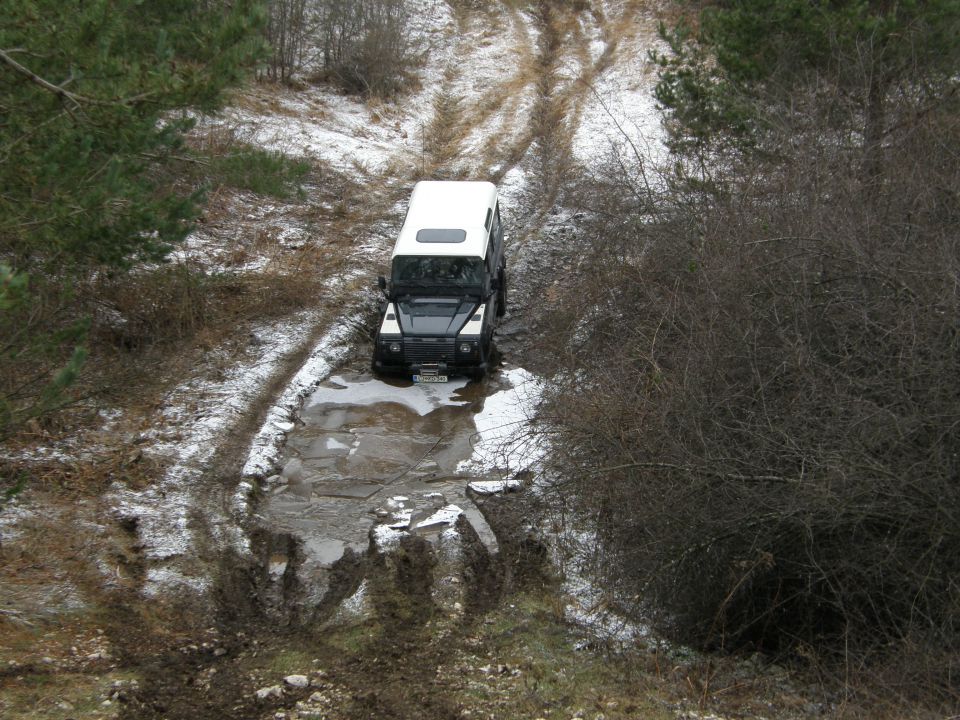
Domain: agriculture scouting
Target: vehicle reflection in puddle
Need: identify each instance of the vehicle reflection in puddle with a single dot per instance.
(365, 441)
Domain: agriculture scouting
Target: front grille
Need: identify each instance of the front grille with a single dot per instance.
(428, 350)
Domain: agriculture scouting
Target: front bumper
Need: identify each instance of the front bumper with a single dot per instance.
(428, 356)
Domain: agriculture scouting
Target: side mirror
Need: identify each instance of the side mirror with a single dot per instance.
(382, 282)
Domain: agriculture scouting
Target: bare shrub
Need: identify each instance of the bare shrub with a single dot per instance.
(176, 303)
(366, 44)
(761, 402)
(288, 29)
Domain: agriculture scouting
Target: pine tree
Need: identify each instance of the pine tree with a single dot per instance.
(744, 68)
(95, 96)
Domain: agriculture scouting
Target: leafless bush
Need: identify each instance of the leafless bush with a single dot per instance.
(366, 44)
(761, 402)
(176, 303)
(289, 26)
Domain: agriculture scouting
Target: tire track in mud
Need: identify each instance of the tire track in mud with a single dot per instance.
(547, 147)
(560, 98)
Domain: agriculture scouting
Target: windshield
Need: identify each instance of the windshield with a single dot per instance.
(422, 271)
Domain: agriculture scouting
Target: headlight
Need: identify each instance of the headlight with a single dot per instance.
(395, 347)
(467, 347)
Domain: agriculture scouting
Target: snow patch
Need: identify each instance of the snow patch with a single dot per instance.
(421, 398)
(265, 448)
(446, 515)
(494, 487)
(503, 441)
(621, 114)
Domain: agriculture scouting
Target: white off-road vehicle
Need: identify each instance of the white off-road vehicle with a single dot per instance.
(447, 287)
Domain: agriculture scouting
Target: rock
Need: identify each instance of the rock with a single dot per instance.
(220, 652)
(274, 691)
(297, 681)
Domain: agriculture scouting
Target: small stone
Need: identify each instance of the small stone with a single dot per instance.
(64, 705)
(47, 660)
(274, 691)
(220, 652)
(297, 681)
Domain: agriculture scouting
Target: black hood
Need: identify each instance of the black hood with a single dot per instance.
(434, 316)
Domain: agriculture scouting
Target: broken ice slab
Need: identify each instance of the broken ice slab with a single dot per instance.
(331, 445)
(441, 518)
(401, 519)
(492, 487)
(293, 470)
(351, 490)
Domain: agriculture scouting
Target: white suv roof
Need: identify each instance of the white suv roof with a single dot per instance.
(448, 218)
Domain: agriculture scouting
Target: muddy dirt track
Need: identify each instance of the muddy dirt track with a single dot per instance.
(367, 455)
(366, 565)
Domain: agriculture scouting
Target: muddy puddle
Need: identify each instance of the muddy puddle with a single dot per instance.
(369, 451)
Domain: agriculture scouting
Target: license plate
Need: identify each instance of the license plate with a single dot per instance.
(429, 378)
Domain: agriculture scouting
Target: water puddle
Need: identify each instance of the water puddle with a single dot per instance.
(371, 451)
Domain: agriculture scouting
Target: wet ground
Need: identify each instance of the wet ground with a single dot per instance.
(385, 452)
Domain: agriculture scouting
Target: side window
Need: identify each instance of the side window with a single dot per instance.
(497, 230)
